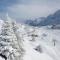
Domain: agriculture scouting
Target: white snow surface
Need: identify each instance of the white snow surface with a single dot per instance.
(45, 39)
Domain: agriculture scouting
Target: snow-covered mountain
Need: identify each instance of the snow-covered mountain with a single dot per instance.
(23, 42)
(35, 22)
(52, 19)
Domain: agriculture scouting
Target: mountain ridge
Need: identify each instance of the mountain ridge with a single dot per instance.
(53, 19)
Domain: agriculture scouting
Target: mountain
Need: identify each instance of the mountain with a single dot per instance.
(53, 19)
(35, 22)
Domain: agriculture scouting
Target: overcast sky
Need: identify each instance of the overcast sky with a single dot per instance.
(25, 9)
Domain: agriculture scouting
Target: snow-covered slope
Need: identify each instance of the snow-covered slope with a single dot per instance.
(40, 43)
(29, 43)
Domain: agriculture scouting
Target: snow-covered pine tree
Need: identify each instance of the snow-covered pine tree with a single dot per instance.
(10, 42)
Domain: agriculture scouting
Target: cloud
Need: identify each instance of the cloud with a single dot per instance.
(24, 9)
(6, 3)
(21, 11)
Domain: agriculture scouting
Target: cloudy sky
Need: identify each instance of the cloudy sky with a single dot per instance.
(25, 9)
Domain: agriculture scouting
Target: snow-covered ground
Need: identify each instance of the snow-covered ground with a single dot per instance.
(37, 43)
(47, 39)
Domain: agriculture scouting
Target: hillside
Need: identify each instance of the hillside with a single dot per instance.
(23, 42)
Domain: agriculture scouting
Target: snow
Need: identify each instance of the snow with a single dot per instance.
(45, 40)
(31, 54)
(1, 23)
(22, 38)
